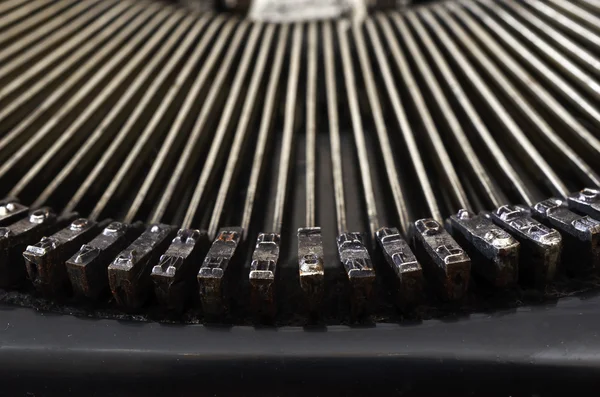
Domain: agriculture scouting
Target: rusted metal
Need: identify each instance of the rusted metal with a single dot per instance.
(359, 269)
(446, 265)
(406, 271)
(173, 276)
(311, 266)
(129, 274)
(213, 276)
(88, 268)
(45, 260)
(540, 245)
(15, 238)
(263, 272)
(494, 253)
(580, 234)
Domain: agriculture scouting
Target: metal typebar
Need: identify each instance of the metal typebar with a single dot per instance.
(205, 117)
(76, 131)
(21, 90)
(550, 76)
(248, 111)
(310, 243)
(216, 152)
(566, 66)
(536, 160)
(524, 106)
(444, 164)
(493, 193)
(110, 158)
(263, 268)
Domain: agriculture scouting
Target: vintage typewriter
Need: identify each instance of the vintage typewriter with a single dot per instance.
(299, 197)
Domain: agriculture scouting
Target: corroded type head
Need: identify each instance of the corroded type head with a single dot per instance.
(540, 245)
(88, 268)
(359, 269)
(581, 234)
(444, 261)
(14, 239)
(406, 269)
(263, 269)
(586, 201)
(45, 261)
(212, 274)
(311, 266)
(494, 252)
(129, 273)
(173, 276)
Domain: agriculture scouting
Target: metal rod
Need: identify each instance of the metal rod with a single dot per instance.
(584, 80)
(84, 156)
(217, 142)
(265, 128)
(508, 123)
(357, 126)
(569, 24)
(288, 129)
(463, 100)
(22, 12)
(74, 131)
(235, 152)
(589, 19)
(151, 129)
(550, 76)
(216, 148)
(206, 112)
(406, 130)
(74, 102)
(584, 57)
(68, 65)
(37, 19)
(334, 128)
(592, 4)
(445, 164)
(53, 31)
(492, 192)
(11, 5)
(530, 83)
(130, 128)
(382, 132)
(311, 124)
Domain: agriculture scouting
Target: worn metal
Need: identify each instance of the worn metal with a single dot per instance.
(15, 238)
(311, 266)
(359, 269)
(213, 276)
(586, 201)
(580, 234)
(445, 264)
(88, 268)
(129, 274)
(11, 211)
(540, 245)
(494, 253)
(405, 269)
(263, 272)
(173, 276)
(45, 260)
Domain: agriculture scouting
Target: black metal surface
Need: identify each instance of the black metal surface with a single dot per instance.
(551, 349)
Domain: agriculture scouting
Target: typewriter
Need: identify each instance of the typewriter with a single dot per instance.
(299, 197)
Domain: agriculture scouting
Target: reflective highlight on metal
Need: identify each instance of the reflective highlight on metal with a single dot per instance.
(540, 245)
(445, 264)
(494, 253)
